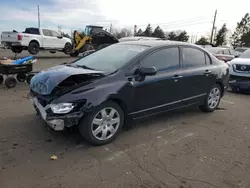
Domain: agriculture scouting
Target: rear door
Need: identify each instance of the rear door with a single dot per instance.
(199, 75)
(162, 91)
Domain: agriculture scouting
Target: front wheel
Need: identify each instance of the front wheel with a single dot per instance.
(67, 48)
(212, 99)
(103, 124)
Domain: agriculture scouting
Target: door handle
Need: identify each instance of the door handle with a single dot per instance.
(207, 72)
(176, 77)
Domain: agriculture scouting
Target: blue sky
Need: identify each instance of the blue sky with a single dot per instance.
(195, 16)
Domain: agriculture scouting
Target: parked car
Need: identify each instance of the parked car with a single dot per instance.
(129, 80)
(240, 50)
(223, 54)
(239, 70)
(126, 39)
(35, 39)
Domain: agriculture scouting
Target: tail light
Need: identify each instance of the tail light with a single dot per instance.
(19, 37)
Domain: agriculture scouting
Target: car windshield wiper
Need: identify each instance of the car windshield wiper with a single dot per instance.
(85, 67)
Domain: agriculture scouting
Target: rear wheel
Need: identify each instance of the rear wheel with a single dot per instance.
(21, 77)
(1, 79)
(10, 82)
(33, 48)
(212, 99)
(103, 124)
(28, 78)
(16, 49)
(74, 54)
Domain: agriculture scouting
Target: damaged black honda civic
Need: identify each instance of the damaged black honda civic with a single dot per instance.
(98, 93)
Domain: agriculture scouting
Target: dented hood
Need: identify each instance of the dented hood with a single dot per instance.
(44, 82)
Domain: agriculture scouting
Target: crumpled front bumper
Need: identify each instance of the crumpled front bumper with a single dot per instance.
(56, 122)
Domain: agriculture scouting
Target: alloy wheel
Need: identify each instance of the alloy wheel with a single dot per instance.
(105, 124)
(214, 98)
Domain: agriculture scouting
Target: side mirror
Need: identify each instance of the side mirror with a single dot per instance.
(147, 71)
(236, 56)
(60, 37)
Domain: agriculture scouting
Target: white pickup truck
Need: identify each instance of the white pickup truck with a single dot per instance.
(36, 39)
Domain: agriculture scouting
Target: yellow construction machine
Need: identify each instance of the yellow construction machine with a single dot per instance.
(93, 38)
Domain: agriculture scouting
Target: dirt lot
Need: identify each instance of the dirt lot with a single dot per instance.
(184, 149)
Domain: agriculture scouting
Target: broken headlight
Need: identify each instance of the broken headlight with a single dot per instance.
(61, 108)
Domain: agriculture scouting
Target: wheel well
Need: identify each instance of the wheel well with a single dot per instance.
(221, 86)
(121, 104)
(35, 42)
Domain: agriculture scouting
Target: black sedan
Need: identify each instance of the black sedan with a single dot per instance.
(129, 80)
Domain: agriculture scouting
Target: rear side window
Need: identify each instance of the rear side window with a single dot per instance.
(165, 59)
(193, 57)
(33, 31)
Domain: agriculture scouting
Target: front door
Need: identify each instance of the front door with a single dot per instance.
(48, 41)
(58, 40)
(199, 75)
(162, 91)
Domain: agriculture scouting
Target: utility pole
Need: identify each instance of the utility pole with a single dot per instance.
(135, 30)
(38, 16)
(110, 29)
(212, 32)
(215, 32)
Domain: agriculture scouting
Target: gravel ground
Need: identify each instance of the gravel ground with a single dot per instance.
(182, 149)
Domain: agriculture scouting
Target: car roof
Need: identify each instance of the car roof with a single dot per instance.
(154, 43)
(218, 48)
(124, 39)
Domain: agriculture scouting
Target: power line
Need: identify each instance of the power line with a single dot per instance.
(177, 21)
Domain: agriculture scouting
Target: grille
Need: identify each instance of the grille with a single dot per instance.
(242, 68)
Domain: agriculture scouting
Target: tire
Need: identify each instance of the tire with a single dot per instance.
(74, 54)
(33, 48)
(10, 82)
(1, 79)
(215, 95)
(16, 49)
(67, 48)
(52, 52)
(86, 47)
(28, 78)
(86, 125)
(21, 77)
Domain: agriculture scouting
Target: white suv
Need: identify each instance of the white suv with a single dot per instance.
(239, 70)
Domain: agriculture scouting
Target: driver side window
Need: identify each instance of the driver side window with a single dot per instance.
(54, 33)
(163, 60)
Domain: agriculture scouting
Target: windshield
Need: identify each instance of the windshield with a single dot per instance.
(111, 58)
(245, 54)
(214, 50)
